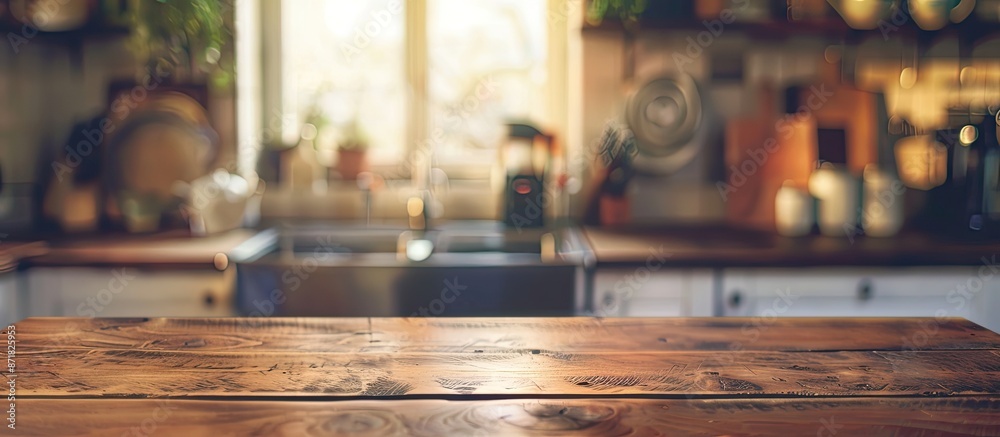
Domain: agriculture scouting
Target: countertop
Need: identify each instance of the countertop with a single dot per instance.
(14, 252)
(495, 376)
(707, 247)
(161, 250)
(727, 247)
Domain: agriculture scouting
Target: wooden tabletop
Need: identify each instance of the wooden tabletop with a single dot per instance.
(490, 376)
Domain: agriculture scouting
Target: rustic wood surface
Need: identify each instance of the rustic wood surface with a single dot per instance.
(425, 376)
(572, 334)
(124, 373)
(517, 417)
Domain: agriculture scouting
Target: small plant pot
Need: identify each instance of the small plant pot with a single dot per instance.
(615, 210)
(351, 162)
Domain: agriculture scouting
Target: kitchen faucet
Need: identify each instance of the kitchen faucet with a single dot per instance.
(418, 205)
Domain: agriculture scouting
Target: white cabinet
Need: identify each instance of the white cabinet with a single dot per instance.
(644, 292)
(968, 292)
(10, 304)
(128, 292)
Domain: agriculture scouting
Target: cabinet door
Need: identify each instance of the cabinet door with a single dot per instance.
(638, 292)
(984, 305)
(96, 292)
(860, 292)
(9, 299)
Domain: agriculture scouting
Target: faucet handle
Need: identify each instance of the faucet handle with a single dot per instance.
(416, 211)
(369, 182)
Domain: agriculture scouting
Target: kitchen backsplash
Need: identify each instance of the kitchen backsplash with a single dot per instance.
(883, 72)
(50, 83)
(689, 194)
(46, 87)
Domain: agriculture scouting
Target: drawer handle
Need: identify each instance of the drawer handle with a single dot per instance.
(735, 299)
(209, 299)
(611, 305)
(865, 290)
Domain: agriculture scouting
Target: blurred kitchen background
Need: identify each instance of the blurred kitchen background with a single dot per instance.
(500, 157)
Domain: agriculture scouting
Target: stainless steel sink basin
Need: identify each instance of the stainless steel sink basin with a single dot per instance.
(492, 242)
(457, 269)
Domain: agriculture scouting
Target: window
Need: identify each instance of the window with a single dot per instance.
(486, 64)
(416, 74)
(343, 62)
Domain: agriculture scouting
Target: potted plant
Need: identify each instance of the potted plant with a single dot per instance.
(627, 11)
(352, 151)
(180, 37)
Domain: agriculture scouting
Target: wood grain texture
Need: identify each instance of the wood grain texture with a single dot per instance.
(544, 417)
(530, 376)
(510, 335)
(126, 373)
(504, 357)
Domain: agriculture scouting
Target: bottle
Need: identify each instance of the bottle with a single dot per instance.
(837, 191)
(793, 211)
(882, 214)
(301, 170)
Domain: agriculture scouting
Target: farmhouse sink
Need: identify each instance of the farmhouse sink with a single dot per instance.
(457, 269)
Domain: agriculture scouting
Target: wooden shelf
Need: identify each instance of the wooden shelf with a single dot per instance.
(769, 30)
(968, 32)
(87, 32)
